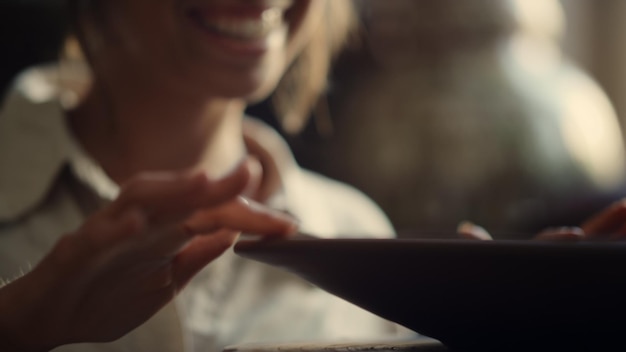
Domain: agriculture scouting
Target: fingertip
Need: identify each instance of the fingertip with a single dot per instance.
(244, 170)
(464, 227)
(615, 207)
(293, 228)
(229, 239)
(291, 225)
(200, 182)
(282, 231)
(562, 234)
(195, 181)
(469, 230)
(574, 230)
(216, 191)
(286, 224)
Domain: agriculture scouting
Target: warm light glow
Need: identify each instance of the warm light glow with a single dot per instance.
(541, 17)
(591, 131)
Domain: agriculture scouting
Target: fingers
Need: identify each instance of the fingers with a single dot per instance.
(609, 224)
(200, 252)
(561, 234)
(157, 216)
(609, 221)
(168, 197)
(471, 231)
(239, 215)
(155, 204)
(243, 215)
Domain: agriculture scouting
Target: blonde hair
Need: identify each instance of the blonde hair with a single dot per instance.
(304, 82)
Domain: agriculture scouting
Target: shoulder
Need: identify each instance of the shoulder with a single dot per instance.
(33, 143)
(347, 210)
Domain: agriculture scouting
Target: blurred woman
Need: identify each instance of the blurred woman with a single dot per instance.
(122, 200)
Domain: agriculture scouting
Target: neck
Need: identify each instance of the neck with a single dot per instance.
(129, 132)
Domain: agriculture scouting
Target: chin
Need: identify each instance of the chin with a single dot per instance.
(251, 89)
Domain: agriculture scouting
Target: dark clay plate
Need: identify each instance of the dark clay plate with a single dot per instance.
(472, 295)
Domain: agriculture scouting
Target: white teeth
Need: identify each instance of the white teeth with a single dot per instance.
(272, 16)
(250, 28)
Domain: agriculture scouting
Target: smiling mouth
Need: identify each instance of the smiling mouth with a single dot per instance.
(243, 26)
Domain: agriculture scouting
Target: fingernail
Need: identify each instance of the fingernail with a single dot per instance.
(572, 230)
(200, 179)
(477, 232)
(293, 228)
(294, 225)
(561, 234)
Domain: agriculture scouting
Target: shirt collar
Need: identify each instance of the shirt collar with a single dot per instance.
(36, 144)
(33, 144)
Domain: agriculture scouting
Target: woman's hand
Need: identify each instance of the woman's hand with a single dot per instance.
(472, 231)
(609, 224)
(130, 259)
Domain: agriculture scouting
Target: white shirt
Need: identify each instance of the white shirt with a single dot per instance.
(48, 185)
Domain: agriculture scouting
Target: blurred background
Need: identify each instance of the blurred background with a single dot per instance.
(508, 113)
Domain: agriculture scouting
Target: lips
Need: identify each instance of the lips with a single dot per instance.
(240, 24)
(253, 20)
